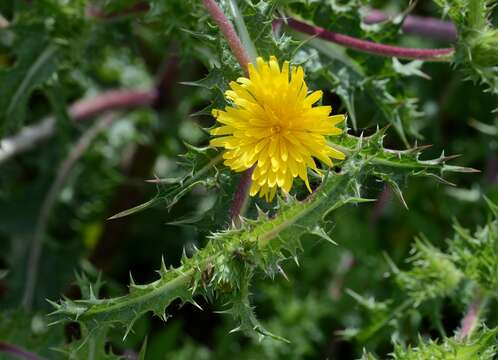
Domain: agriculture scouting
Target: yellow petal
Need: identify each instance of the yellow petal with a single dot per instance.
(313, 98)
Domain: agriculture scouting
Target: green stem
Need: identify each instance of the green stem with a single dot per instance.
(243, 33)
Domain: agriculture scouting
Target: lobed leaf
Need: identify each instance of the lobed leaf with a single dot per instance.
(223, 269)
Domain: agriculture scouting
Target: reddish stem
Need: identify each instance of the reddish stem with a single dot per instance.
(469, 321)
(18, 352)
(96, 12)
(419, 25)
(31, 135)
(240, 196)
(228, 32)
(113, 99)
(369, 46)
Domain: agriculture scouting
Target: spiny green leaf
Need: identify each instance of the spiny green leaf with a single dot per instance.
(202, 164)
(480, 346)
(226, 264)
(475, 254)
(433, 273)
(477, 46)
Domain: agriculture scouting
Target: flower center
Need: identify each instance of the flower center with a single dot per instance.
(275, 129)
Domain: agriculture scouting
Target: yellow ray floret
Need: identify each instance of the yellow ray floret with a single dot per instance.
(274, 127)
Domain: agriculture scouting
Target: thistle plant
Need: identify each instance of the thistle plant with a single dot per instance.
(268, 127)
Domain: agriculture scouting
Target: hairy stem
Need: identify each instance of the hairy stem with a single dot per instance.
(31, 135)
(229, 33)
(419, 25)
(371, 47)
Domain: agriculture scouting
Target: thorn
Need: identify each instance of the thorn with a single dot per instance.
(234, 330)
(360, 141)
(281, 271)
(164, 269)
(194, 288)
(55, 312)
(92, 295)
(472, 170)
(193, 302)
(261, 213)
(132, 281)
(449, 157)
(156, 180)
(184, 255)
(222, 312)
(296, 260)
(422, 147)
(54, 304)
(129, 329)
(55, 323)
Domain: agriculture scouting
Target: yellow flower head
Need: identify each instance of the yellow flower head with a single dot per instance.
(273, 126)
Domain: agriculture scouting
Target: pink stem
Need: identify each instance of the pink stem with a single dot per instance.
(18, 352)
(31, 135)
(469, 321)
(240, 196)
(113, 99)
(369, 46)
(419, 25)
(228, 32)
